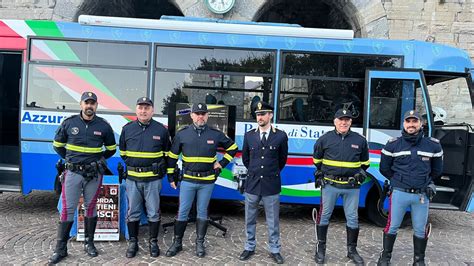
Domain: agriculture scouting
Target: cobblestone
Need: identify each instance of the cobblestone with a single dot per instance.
(28, 236)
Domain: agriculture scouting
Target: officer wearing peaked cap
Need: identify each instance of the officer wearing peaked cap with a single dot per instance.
(80, 140)
(198, 144)
(144, 144)
(340, 156)
(264, 153)
(411, 163)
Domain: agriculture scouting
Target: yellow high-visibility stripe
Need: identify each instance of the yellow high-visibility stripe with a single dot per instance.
(111, 147)
(365, 163)
(170, 170)
(123, 153)
(141, 174)
(172, 155)
(165, 153)
(341, 163)
(316, 161)
(83, 149)
(199, 159)
(228, 157)
(58, 144)
(232, 147)
(209, 177)
(336, 181)
(142, 154)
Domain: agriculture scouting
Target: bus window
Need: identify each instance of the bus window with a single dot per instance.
(213, 76)
(390, 98)
(60, 87)
(314, 86)
(90, 52)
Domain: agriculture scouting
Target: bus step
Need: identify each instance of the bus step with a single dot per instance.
(443, 206)
(444, 189)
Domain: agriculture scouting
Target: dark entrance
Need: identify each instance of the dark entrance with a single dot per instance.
(10, 75)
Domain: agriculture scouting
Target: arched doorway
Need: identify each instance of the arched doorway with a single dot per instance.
(310, 13)
(152, 9)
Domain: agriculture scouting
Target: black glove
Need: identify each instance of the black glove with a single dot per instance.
(431, 191)
(318, 179)
(217, 172)
(121, 172)
(360, 177)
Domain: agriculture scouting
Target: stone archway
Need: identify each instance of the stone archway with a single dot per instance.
(151, 9)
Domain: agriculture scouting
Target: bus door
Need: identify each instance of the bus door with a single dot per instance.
(10, 77)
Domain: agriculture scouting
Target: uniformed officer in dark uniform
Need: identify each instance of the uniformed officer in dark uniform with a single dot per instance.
(264, 153)
(198, 144)
(341, 157)
(410, 162)
(79, 140)
(144, 145)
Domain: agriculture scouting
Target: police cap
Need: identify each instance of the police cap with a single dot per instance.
(88, 95)
(343, 113)
(411, 114)
(199, 108)
(144, 100)
(263, 107)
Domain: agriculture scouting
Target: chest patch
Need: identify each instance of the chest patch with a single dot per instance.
(425, 159)
(355, 146)
(75, 130)
(97, 133)
(156, 137)
(210, 141)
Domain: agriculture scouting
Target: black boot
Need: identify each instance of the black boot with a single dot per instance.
(322, 231)
(89, 231)
(386, 256)
(60, 252)
(177, 246)
(154, 229)
(352, 236)
(132, 248)
(419, 248)
(201, 230)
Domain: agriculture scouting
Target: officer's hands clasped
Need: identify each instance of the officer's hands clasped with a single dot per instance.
(318, 179)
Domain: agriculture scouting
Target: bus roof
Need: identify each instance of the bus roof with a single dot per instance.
(416, 54)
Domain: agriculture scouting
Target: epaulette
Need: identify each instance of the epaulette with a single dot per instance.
(181, 128)
(255, 129)
(434, 139)
(69, 117)
(392, 139)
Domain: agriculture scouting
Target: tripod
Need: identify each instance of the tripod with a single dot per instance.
(214, 220)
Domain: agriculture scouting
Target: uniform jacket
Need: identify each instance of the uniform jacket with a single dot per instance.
(411, 161)
(142, 145)
(199, 153)
(264, 162)
(341, 155)
(81, 142)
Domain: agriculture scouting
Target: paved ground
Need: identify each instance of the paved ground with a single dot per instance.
(28, 225)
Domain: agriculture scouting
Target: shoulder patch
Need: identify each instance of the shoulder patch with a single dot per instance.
(434, 140)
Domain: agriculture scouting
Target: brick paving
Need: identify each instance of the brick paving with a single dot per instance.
(28, 235)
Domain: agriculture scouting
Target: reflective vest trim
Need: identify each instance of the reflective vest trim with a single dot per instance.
(83, 149)
(199, 159)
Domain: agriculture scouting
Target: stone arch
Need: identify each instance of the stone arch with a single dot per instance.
(366, 18)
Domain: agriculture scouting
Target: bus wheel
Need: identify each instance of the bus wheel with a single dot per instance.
(375, 214)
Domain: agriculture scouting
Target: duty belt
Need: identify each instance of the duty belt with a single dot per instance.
(140, 169)
(337, 179)
(79, 167)
(411, 190)
(199, 174)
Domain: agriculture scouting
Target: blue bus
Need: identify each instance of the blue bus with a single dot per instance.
(306, 74)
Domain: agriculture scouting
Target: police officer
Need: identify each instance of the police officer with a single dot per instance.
(144, 144)
(341, 157)
(264, 153)
(79, 140)
(410, 162)
(198, 144)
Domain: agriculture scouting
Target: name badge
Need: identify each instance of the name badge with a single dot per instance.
(97, 133)
(156, 137)
(210, 141)
(355, 146)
